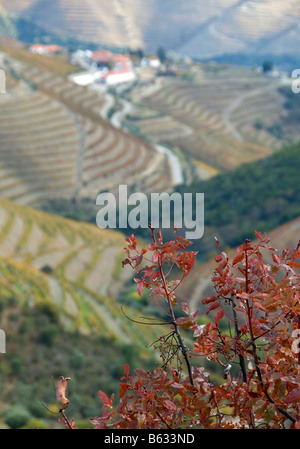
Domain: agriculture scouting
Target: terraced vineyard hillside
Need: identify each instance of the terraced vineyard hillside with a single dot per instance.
(220, 119)
(74, 266)
(54, 142)
(59, 281)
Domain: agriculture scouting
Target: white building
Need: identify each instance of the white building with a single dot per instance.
(112, 78)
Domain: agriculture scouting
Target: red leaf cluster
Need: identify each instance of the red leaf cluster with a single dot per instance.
(255, 315)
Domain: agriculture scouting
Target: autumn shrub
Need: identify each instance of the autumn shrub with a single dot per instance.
(253, 336)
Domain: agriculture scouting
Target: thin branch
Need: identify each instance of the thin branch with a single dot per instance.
(158, 323)
(160, 307)
(163, 420)
(238, 334)
(169, 301)
(66, 419)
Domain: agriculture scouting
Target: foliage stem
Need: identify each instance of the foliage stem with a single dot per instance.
(173, 318)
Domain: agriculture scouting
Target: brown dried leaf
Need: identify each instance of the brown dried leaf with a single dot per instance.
(61, 390)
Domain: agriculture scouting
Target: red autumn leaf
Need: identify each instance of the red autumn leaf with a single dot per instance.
(275, 258)
(221, 267)
(260, 258)
(185, 307)
(126, 370)
(244, 247)
(195, 314)
(152, 246)
(147, 271)
(155, 257)
(259, 306)
(170, 405)
(155, 275)
(218, 258)
(258, 235)
(183, 242)
(294, 265)
(296, 254)
(159, 291)
(293, 396)
(123, 388)
(214, 305)
(104, 398)
(208, 299)
(115, 419)
(177, 385)
(217, 241)
(141, 373)
(243, 295)
(140, 287)
(126, 262)
(219, 316)
(139, 259)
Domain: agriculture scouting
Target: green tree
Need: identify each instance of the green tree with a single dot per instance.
(267, 66)
(161, 53)
(16, 416)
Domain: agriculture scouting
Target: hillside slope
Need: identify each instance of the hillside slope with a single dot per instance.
(199, 28)
(45, 117)
(74, 266)
(59, 283)
(215, 115)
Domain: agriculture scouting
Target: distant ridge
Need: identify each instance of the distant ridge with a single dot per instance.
(198, 28)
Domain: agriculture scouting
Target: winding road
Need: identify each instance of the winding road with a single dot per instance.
(176, 169)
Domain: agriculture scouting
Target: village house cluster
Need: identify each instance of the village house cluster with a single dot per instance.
(113, 68)
(102, 66)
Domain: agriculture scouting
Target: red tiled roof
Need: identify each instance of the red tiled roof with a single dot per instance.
(47, 48)
(102, 55)
(105, 56)
(121, 58)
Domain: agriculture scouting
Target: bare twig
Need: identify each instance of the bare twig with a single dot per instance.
(181, 345)
(66, 419)
(238, 334)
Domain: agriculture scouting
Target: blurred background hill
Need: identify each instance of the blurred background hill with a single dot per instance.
(196, 28)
